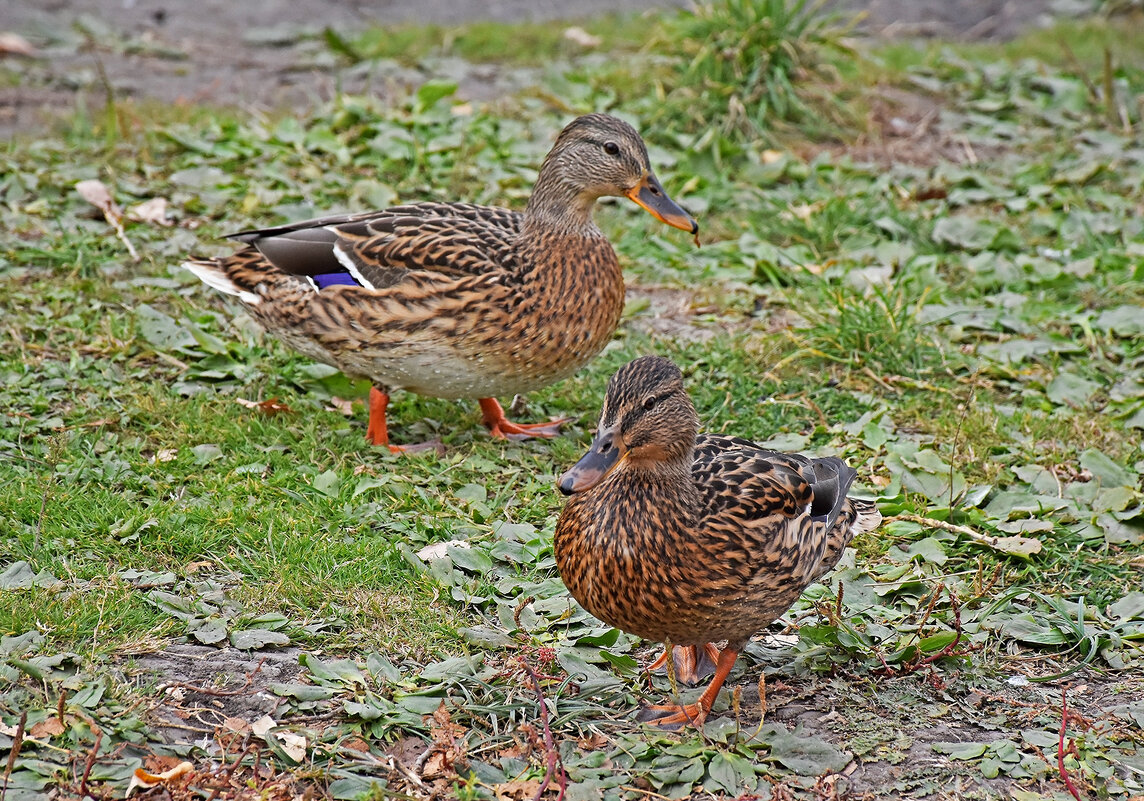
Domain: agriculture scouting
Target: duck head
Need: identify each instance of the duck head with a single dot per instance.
(648, 421)
(599, 155)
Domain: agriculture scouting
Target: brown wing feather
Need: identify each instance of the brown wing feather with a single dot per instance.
(386, 246)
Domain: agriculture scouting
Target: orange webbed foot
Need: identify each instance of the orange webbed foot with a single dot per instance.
(418, 447)
(501, 427)
(675, 716)
(671, 717)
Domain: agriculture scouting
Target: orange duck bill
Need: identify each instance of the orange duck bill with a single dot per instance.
(649, 193)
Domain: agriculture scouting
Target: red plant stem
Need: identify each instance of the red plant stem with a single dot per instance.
(944, 652)
(552, 755)
(14, 752)
(1061, 746)
(90, 762)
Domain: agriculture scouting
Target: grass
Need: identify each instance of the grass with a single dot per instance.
(522, 44)
(966, 334)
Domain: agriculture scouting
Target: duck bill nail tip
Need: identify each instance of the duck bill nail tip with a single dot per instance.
(650, 195)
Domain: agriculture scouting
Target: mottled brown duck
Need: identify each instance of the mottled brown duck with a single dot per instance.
(693, 539)
(456, 300)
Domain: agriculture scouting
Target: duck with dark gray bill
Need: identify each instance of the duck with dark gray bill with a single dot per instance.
(455, 300)
(691, 539)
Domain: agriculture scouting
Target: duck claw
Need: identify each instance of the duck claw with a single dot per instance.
(672, 717)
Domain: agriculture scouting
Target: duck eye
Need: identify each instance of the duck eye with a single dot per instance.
(649, 404)
(611, 148)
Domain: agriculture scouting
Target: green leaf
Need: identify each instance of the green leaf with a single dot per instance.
(965, 233)
(1106, 471)
(622, 662)
(1130, 607)
(806, 756)
(341, 671)
(432, 91)
(721, 775)
(961, 751)
(20, 576)
(328, 483)
(928, 550)
(350, 788)
(1069, 389)
(475, 560)
(455, 667)
(1028, 629)
(303, 692)
(935, 642)
(206, 453)
(161, 330)
(380, 667)
(210, 632)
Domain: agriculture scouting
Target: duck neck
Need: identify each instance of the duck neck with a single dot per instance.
(672, 473)
(559, 206)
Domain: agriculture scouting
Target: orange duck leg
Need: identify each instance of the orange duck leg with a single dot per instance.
(674, 716)
(378, 430)
(692, 662)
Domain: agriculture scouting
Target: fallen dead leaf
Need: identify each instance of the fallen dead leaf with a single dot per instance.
(342, 405)
(236, 725)
(97, 194)
(195, 567)
(151, 211)
(269, 406)
(438, 550)
(293, 744)
(356, 744)
(578, 35)
(48, 727)
(517, 790)
(142, 779)
(593, 742)
(166, 455)
(781, 640)
(13, 44)
(447, 753)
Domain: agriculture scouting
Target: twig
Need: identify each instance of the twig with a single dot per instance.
(525, 601)
(874, 377)
(219, 693)
(552, 755)
(14, 751)
(411, 776)
(918, 662)
(965, 531)
(230, 772)
(1061, 745)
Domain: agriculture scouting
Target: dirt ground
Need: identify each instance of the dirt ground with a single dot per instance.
(265, 55)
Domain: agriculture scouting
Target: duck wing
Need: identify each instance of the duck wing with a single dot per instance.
(736, 472)
(380, 249)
